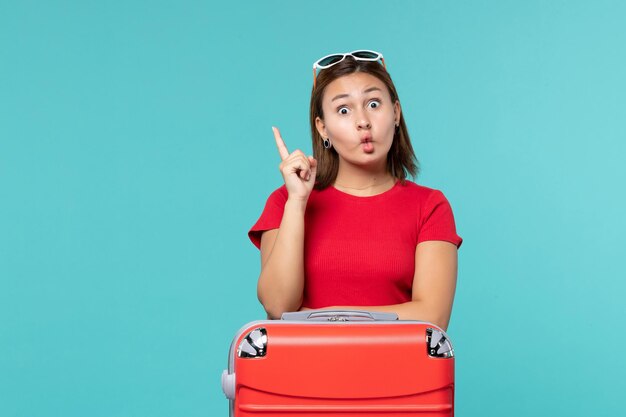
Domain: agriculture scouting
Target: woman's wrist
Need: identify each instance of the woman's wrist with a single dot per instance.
(295, 203)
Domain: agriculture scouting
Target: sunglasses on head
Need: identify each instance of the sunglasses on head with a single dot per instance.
(332, 59)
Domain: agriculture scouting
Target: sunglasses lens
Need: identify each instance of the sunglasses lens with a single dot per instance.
(366, 54)
(329, 60)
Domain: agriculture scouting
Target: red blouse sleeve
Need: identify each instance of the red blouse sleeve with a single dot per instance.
(437, 221)
(271, 216)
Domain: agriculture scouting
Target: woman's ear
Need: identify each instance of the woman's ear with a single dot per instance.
(397, 112)
(321, 127)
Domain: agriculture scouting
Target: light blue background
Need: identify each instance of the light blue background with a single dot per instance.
(136, 151)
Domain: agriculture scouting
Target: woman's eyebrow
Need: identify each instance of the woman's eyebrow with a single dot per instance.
(338, 96)
(369, 90)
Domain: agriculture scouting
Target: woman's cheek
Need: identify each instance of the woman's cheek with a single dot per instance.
(338, 126)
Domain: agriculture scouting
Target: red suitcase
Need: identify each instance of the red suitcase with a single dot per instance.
(340, 364)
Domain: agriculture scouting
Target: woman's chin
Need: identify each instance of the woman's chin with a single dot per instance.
(368, 161)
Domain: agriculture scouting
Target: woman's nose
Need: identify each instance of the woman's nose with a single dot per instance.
(363, 122)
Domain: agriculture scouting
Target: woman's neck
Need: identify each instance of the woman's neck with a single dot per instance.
(363, 183)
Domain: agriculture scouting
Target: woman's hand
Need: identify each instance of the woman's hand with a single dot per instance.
(297, 169)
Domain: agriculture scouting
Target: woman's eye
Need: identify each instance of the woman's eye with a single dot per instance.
(373, 104)
(343, 110)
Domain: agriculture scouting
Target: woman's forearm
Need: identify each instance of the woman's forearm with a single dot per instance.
(281, 282)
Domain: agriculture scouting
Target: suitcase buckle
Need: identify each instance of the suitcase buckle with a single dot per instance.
(437, 344)
(254, 344)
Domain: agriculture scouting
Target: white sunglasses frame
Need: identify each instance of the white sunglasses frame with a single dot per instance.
(379, 56)
(316, 66)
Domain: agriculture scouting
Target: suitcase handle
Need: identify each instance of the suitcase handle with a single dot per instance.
(338, 315)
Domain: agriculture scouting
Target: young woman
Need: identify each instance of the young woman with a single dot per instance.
(348, 230)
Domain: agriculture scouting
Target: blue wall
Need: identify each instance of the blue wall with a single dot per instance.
(136, 151)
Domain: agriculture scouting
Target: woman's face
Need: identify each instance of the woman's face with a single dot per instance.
(359, 119)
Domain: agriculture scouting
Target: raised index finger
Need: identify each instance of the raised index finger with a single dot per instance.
(280, 144)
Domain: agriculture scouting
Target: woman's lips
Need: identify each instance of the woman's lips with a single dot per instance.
(367, 145)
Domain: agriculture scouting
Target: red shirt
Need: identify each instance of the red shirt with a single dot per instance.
(360, 251)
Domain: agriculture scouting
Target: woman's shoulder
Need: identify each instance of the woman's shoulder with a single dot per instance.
(420, 191)
(279, 194)
(282, 190)
(416, 195)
